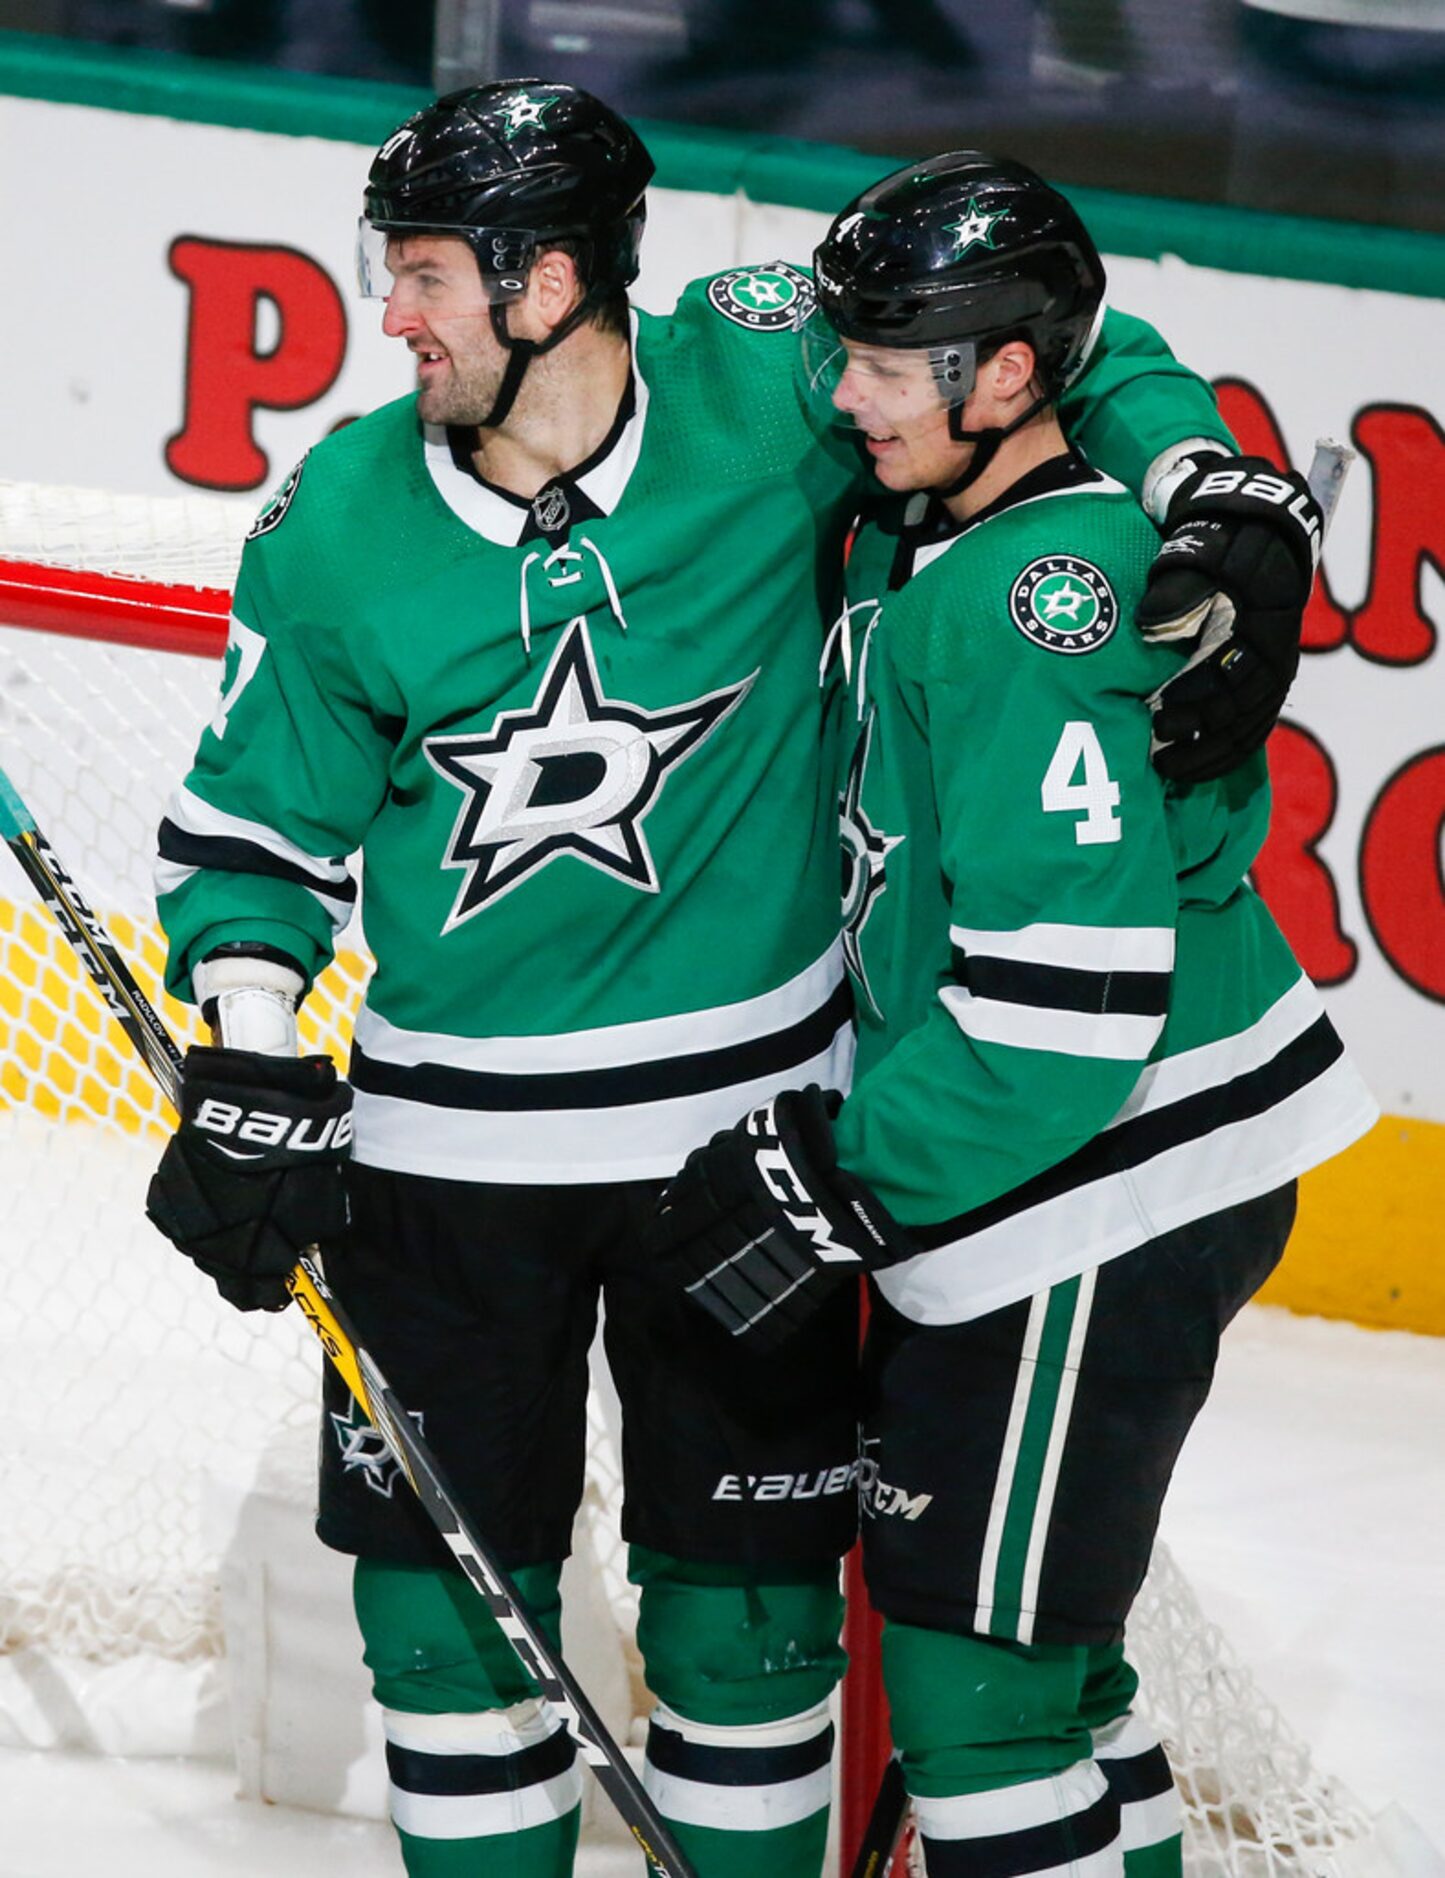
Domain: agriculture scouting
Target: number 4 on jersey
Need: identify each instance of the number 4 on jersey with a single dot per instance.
(1095, 795)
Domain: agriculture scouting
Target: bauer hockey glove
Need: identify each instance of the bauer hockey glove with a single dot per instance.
(252, 1176)
(1241, 542)
(762, 1224)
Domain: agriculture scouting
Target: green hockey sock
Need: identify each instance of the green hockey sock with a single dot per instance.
(484, 1778)
(1151, 1820)
(536, 1852)
(740, 1746)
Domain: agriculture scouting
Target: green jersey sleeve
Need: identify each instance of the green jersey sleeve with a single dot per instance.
(1021, 958)
(288, 775)
(1134, 399)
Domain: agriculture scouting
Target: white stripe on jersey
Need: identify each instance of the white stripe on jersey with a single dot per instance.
(1060, 1237)
(570, 1147)
(1192, 1071)
(650, 1040)
(1079, 948)
(1121, 1036)
(196, 816)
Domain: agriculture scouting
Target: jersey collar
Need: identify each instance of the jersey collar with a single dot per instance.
(932, 531)
(593, 489)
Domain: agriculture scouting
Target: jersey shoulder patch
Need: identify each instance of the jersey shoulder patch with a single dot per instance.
(273, 510)
(1064, 603)
(771, 298)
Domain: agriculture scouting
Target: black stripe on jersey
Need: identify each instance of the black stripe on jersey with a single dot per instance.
(1062, 987)
(415, 1771)
(672, 1753)
(230, 854)
(1304, 1058)
(1058, 1845)
(1140, 1777)
(443, 1086)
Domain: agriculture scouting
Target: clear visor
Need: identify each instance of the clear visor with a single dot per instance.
(885, 390)
(442, 263)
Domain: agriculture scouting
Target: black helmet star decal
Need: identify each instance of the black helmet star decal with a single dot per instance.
(573, 774)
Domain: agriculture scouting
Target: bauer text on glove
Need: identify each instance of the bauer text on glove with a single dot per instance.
(1231, 581)
(253, 1174)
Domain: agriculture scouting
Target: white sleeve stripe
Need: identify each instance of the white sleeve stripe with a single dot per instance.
(1085, 948)
(1120, 1036)
(170, 876)
(198, 817)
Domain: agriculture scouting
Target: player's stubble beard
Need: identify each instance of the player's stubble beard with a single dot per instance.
(465, 394)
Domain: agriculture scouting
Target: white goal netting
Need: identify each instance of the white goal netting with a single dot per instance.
(126, 1386)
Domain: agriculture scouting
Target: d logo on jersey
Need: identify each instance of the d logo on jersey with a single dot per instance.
(576, 773)
(364, 1452)
(865, 863)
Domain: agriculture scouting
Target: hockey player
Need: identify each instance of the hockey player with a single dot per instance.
(1088, 1067)
(542, 642)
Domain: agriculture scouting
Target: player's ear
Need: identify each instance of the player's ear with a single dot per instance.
(554, 286)
(1013, 368)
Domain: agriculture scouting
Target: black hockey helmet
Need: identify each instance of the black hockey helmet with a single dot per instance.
(964, 248)
(510, 167)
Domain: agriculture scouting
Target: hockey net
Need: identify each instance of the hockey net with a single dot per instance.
(125, 1386)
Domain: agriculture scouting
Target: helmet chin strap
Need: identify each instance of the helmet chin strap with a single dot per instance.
(986, 444)
(520, 354)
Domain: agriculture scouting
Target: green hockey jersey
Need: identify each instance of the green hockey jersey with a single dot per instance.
(1078, 1024)
(580, 745)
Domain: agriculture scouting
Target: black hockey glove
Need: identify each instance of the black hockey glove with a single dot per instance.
(762, 1224)
(1241, 541)
(252, 1176)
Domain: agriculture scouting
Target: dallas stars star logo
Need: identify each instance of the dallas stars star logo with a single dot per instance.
(525, 113)
(1064, 601)
(1064, 604)
(865, 863)
(975, 225)
(766, 299)
(575, 773)
(363, 1451)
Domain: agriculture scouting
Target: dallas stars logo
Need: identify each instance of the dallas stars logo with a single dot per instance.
(525, 113)
(1064, 604)
(974, 226)
(575, 773)
(273, 510)
(363, 1451)
(865, 861)
(765, 298)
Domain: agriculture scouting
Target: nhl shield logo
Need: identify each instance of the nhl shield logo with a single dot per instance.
(551, 508)
(1064, 604)
(766, 298)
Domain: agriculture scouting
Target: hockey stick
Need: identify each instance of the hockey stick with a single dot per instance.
(879, 1844)
(145, 1028)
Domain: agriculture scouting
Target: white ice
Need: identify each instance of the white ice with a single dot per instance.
(1309, 1512)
